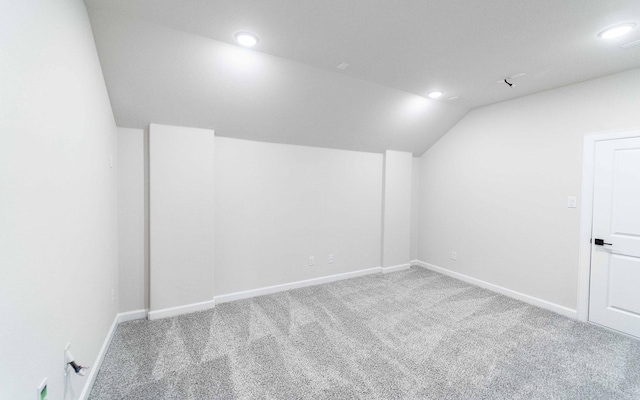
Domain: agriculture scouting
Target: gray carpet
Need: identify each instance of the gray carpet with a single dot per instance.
(411, 334)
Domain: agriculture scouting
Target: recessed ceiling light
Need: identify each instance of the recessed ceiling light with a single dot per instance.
(246, 39)
(435, 95)
(617, 30)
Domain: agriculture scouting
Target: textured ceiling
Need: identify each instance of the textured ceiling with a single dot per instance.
(176, 62)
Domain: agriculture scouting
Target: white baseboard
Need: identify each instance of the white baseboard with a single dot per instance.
(395, 268)
(95, 368)
(562, 310)
(293, 285)
(131, 315)
(173, 311)
(189, 308)
(413, 263)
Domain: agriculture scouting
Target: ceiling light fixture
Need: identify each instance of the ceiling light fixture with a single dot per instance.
(246, 39)
(617, 30)
(435, 95)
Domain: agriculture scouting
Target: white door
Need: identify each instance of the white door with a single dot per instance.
(614, 298)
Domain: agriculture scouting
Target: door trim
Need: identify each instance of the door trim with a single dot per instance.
(586, 214)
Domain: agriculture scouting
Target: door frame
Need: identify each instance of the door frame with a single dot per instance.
(586, 213)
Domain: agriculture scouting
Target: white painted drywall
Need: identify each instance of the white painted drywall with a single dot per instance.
(181, 215)
(397, 208)
(415, 202)
(58, 197)
(133, 275)
(277, 205)
(248, 94)
(494, 189)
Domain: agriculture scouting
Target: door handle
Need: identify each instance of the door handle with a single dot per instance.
(600, 242)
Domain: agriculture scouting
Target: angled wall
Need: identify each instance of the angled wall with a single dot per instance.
(494, 189)
(58, 222)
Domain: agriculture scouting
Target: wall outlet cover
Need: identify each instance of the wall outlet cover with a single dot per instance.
(42, 390)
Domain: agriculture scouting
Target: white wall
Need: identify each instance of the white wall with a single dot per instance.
(181, 216)
(133, 274)
(277, 205)
(495, 187)
(397, 208)
(58, 233)
(263, 235)
(415, 206)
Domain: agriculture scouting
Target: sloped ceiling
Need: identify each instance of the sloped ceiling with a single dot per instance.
(175, 62)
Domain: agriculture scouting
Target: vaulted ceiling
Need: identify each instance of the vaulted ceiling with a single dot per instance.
(176, 62)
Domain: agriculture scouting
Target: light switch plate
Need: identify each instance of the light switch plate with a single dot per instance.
(572, 202)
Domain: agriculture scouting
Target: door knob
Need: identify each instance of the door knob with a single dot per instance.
(600, 242)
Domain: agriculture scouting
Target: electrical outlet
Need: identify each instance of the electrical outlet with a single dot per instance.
(330, 258)
(454, 256)
(113, 295)
(311, 261)
(42, 390)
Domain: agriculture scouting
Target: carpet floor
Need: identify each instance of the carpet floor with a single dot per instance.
(414, 334)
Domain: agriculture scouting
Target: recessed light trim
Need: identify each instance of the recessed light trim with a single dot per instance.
(435, 94)
(617, 30)
(246, 39)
